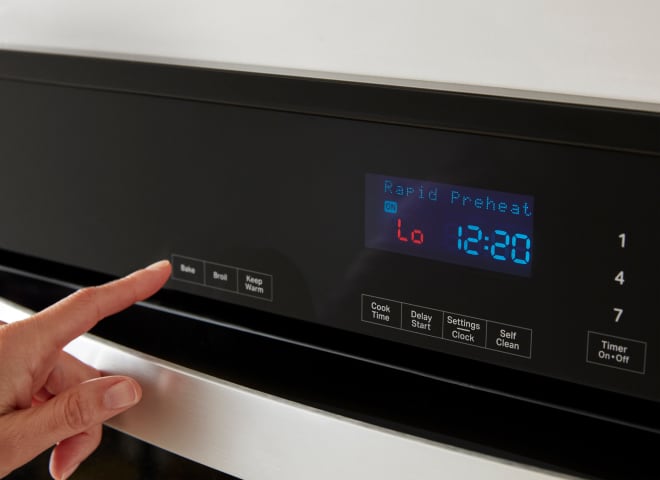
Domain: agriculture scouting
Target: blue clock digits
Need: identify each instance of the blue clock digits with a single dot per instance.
(516, 249)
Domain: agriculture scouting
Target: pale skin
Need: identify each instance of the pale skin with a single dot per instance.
(47, 397)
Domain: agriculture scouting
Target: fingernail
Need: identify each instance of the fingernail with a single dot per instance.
(69, 472)
(120, 395)
(158, 265)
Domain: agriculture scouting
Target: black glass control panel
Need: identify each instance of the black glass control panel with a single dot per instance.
(521, 251)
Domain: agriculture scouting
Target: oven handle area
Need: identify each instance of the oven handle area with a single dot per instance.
(252, 435)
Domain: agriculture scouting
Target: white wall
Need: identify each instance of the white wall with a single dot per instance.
(605, 50)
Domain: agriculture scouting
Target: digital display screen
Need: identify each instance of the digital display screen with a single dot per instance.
(478, 228)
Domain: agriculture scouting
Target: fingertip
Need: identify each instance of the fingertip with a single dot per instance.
(160, 265)
(69, 453)
(65, 474)
(161, 270)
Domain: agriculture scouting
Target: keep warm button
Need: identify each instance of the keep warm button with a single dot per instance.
(616, 352)
(255, 284)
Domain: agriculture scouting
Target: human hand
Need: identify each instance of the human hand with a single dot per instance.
(47, 397)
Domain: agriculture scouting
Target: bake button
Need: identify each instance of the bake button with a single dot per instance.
(381, 310)
(221, 276)
(509, 339)
(421, 320)
(255, 284)
(460, 328)
(616, 352)
(187, 269)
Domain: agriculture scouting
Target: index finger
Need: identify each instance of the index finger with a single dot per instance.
(79, 312)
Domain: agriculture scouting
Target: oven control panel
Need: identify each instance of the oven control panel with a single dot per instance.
(537, 256)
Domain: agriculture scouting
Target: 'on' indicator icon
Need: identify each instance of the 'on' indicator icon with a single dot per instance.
(391, 206)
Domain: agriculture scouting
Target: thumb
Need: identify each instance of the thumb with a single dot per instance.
(24, 434)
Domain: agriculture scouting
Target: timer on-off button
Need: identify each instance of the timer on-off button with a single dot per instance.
(616, 352)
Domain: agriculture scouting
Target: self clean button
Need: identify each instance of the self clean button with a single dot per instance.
(509, 339)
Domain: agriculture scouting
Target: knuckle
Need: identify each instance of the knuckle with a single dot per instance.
(86, 295)
(76, 414)
(89, 297)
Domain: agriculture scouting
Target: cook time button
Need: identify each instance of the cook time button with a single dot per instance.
(381, 310)
(616, 352)
(509, 339)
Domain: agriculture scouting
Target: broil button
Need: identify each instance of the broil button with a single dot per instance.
(221, 276)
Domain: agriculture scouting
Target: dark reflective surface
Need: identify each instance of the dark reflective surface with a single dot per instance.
(122, 456)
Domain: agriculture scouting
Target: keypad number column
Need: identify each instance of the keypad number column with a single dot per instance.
(620, 280)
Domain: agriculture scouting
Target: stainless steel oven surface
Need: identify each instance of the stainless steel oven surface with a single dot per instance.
(370, 279)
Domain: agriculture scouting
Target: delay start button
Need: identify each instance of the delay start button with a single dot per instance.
(616, 352)
(422, 320)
